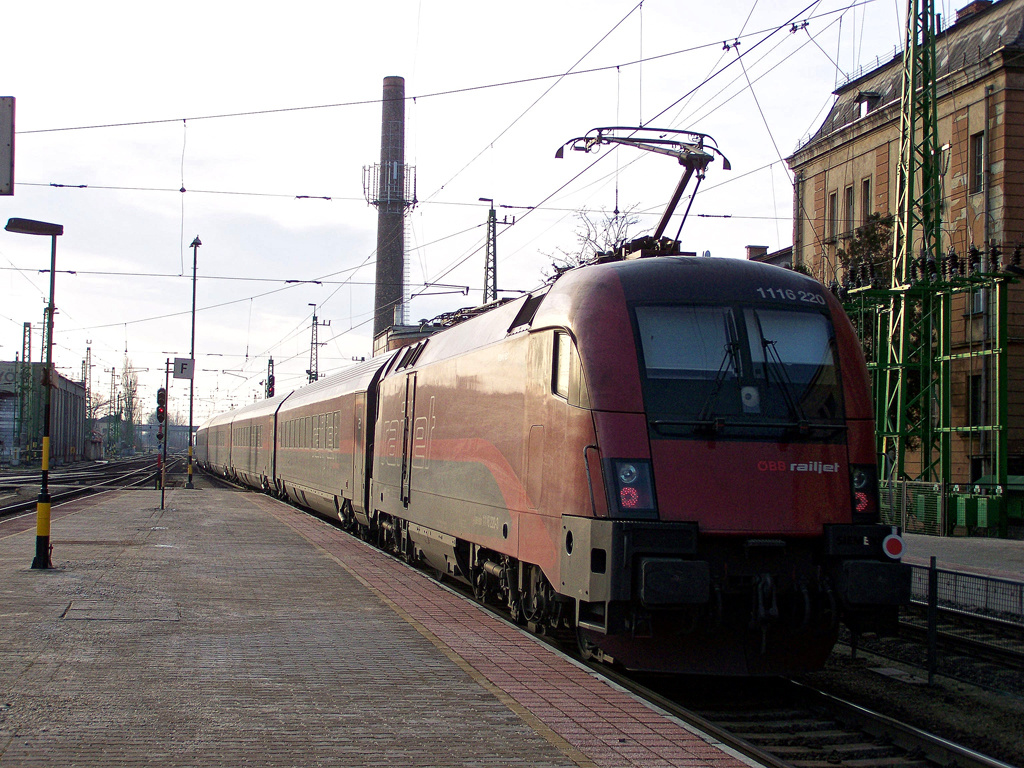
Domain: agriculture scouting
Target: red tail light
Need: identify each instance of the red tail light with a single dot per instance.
(631, 487)
(864, 493)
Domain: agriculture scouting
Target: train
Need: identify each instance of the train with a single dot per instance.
(670, 458)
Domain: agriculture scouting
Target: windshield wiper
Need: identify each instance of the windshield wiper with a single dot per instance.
(772, 360)
(728, 357)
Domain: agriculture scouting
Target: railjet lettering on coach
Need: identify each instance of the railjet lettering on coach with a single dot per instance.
(815, 467)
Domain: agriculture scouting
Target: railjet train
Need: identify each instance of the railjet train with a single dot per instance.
(672, 457)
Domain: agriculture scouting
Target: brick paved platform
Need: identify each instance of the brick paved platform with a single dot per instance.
(230, 629)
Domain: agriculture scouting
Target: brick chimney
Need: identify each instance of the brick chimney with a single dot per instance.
(756, 252)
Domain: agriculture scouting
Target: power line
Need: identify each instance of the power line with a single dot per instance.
(433, 94)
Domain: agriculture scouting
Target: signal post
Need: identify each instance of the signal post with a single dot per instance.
(161, 434)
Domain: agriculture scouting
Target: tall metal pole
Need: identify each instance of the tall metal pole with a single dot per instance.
(491, 255)
(167, 431)
(192, 356)
(42, 558)
(30, 227)
(314, 366)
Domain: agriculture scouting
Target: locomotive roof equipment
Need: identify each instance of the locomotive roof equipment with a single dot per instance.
(690, 149)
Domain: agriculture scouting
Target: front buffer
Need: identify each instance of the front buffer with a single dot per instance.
(660, 597)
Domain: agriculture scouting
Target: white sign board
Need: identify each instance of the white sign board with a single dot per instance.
(6, 145)
(183, 367)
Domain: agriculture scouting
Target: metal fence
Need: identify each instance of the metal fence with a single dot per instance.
(969, 593)
(999, 602)
(914, 506)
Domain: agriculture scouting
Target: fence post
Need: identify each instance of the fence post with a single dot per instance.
(933, 614)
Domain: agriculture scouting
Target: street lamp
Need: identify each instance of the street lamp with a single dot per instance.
(53, 231)
(192, 357)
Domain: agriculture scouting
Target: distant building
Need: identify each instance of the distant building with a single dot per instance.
(780, 258)
(21, 416)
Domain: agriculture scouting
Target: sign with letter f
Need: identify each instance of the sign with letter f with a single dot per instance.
(183, 367)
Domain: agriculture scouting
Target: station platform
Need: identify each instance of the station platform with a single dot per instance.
(995, 558)
(230, 629)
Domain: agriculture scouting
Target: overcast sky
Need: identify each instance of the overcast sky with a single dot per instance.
(260, 110)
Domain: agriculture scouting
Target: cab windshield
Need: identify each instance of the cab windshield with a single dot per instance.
(745, 369)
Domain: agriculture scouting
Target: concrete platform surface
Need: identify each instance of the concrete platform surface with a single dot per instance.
(230, 629)
(997, 558)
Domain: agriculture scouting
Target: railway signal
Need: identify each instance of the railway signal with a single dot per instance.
(161, 407)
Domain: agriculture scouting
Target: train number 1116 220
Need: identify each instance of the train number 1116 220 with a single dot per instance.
(788, 294)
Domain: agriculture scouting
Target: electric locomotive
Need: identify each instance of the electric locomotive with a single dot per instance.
(674, 456)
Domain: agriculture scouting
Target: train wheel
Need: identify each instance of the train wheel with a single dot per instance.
(587, 647)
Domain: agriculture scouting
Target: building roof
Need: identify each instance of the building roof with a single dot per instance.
(980, 31)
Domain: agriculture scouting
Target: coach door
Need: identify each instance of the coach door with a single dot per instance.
(359, 453)
(407, 436)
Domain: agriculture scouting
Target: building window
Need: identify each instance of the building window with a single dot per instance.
(979, 301)
(833, 215)
(977, 163)
(848, 211)
(865, 201)
(976, 401)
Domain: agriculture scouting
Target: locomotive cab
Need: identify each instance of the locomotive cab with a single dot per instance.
(734, 516)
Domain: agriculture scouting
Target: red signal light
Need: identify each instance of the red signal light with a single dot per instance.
(861, 501)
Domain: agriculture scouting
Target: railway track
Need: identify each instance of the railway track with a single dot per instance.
(126, 474)
(787, 723)
(992, 639)
(977, 650)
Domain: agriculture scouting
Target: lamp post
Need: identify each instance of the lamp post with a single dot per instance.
(192, 356)
(53, 231)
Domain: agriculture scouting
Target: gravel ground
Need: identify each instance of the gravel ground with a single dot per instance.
(974, 715)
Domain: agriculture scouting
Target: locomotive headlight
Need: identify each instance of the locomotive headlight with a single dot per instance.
(859, 478)
(632, 488)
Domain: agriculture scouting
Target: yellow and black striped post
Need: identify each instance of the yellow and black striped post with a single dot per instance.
(42, 558)
(53, 231)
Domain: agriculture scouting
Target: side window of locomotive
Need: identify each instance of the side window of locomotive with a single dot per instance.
(562, 362)
(567, 372)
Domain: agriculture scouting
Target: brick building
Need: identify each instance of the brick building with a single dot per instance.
(847, 171)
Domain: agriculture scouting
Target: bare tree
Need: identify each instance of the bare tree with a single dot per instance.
(597, 233)
(129, 401)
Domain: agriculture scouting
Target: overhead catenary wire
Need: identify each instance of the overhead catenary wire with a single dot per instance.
(432, 94)
(767, 36)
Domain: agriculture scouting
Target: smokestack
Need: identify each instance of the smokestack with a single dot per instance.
(391, 205)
